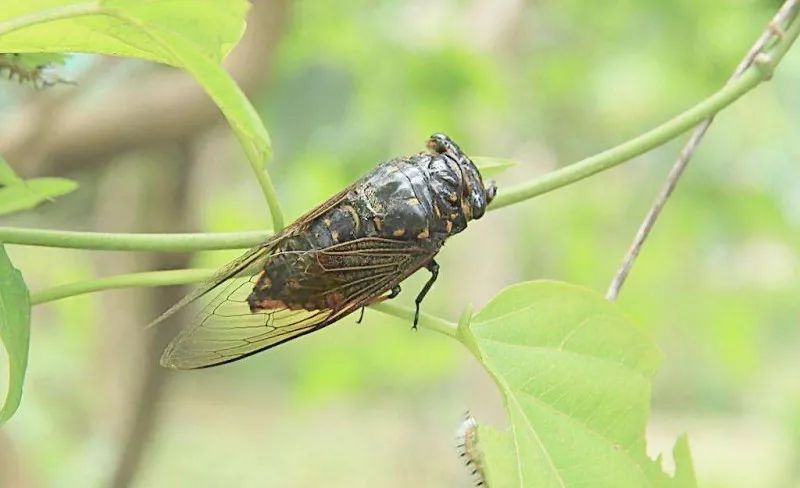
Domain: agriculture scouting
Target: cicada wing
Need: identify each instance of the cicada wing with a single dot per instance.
(225, 330)
(252, 262)
(248, 264)
(357, 273)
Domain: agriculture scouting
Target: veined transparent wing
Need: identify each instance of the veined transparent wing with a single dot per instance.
(225, 330)
(249, 264)
(357, 272)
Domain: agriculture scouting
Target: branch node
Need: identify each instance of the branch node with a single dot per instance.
(776, 29)
(766, 64)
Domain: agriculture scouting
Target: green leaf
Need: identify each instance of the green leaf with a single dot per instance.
(489, 166)
(15, 317)
(684, 467)
(219, 85)
(190, 34)
(575, 375)
(7, 174)
(30, 193)
(213, 27)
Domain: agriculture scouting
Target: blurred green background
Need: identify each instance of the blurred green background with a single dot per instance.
(342, 85)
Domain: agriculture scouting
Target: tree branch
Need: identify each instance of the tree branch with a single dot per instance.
(183, 242)
(753, 76)
(774, 29)
(655, 137)
(426, 320)
(188, 276)
(130, 280)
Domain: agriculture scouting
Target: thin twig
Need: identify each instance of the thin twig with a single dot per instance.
(775, 29)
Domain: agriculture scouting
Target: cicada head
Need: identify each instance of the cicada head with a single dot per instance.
(475, 196)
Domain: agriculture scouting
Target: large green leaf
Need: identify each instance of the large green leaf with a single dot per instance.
(190, 34)
(575, 374)
(14, 331)
(212, 26)
(30, 193)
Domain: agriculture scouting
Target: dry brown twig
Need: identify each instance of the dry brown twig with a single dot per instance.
(774, 30)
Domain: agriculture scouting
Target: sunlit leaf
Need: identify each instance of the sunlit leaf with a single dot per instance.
(30, 193)
(213, 27)
(191, 34)
(240, 113)
(14, 331)
(576, 375)
(490, 166)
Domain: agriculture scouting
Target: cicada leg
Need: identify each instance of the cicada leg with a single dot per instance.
(433, 267)
(392, 293)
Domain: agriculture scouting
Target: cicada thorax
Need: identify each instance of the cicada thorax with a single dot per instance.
(398, 200)
(416, 202)
(390, 207)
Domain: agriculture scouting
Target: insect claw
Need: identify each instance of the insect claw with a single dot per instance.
(416, 317)
(361, 317)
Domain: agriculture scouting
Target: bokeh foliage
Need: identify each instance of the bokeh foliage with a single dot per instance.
(356, 81)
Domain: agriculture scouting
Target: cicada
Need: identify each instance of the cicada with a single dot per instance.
(349, 252)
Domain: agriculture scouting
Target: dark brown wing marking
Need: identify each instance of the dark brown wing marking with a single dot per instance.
(225, 330)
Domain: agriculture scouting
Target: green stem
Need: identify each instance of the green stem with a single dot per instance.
(150, 278)
(426, 320)
(257, 163)
(132, 242)
(49, 15)
(653, 138)
(187, 276)
(572, 173)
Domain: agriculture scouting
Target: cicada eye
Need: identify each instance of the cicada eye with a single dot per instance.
(491, 191)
